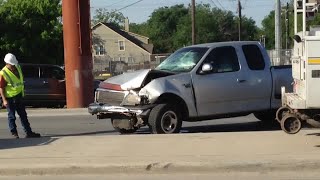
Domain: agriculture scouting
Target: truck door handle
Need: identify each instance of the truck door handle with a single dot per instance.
(241, 80)
(187, 85)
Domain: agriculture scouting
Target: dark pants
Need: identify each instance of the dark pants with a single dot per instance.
(16, 104)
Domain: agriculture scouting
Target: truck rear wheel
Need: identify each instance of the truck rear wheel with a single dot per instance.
(266, 116)
(165, 119)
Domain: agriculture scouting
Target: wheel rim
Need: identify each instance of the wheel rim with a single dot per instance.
(169, 121)
(291, 124)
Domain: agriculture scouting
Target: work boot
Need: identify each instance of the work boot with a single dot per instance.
(32, 135)
(15, 135)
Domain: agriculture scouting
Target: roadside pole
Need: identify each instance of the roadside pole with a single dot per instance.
(77, 52)
(193, 19)
(278, 30)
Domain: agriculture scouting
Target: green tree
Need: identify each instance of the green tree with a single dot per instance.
(32, 30)
(268, 27)
(139, 28)
(169, 28)
(162, 26)
(315, 21)
(106, 16)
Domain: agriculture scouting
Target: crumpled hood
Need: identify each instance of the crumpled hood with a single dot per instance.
(129, 80)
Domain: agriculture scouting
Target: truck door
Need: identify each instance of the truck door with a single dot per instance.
(222, 90)
(259, 80)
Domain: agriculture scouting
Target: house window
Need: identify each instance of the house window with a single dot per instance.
(121, 45)
(100, 51)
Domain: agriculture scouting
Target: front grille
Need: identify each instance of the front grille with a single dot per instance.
(110, 97)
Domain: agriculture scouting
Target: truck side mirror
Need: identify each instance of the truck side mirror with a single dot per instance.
(206, 68)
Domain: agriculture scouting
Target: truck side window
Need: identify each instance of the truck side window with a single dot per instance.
(254, 57)
(223, 59)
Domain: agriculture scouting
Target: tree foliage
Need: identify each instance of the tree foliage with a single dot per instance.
(162, 26)
(169, 28)
(106, 16)
(268, 27)
(31, 29)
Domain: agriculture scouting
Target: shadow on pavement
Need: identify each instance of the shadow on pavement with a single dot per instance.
(314, 134)
(237, 127)
(25, 142)
(80, 134)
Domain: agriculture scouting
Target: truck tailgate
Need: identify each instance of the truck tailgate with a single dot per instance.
(281, 76)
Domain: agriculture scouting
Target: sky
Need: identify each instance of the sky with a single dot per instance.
(138, 11)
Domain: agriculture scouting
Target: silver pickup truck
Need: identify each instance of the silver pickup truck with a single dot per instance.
(195, 83)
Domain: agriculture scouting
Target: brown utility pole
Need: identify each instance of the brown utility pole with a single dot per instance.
(240, 18)
(193, 19)
(77, 52)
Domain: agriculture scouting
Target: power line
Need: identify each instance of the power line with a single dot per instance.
(128, 5)
(214, 4)
(115, 3)
(221, 5)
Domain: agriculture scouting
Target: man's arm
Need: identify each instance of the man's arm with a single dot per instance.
(2, 86)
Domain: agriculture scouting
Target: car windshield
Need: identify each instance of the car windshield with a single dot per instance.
(183, 60)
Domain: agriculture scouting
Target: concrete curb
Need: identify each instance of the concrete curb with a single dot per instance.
(169, 167)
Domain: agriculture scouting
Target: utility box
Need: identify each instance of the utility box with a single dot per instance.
(303, 104)
(306, 72)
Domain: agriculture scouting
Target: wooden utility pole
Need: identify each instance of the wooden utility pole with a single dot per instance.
(193, 19)
(77, 52)
(240, 18)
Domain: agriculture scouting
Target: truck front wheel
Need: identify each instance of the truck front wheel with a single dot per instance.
(165, 119)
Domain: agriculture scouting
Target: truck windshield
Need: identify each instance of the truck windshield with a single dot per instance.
(183, 60)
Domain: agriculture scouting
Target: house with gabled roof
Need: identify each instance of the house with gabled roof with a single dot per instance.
(112, 44)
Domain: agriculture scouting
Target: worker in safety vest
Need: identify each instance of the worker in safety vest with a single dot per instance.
(12, 93)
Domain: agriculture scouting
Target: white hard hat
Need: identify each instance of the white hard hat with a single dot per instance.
(10, 59)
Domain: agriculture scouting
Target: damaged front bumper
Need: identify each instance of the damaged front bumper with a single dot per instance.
(110, 111)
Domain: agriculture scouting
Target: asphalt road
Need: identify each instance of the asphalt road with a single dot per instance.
(77, 125)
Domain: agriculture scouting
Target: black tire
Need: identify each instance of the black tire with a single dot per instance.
(124, 131)
(159, 119)
(268, 120)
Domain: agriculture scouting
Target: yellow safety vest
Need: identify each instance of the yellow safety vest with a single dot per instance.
(15, 85)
